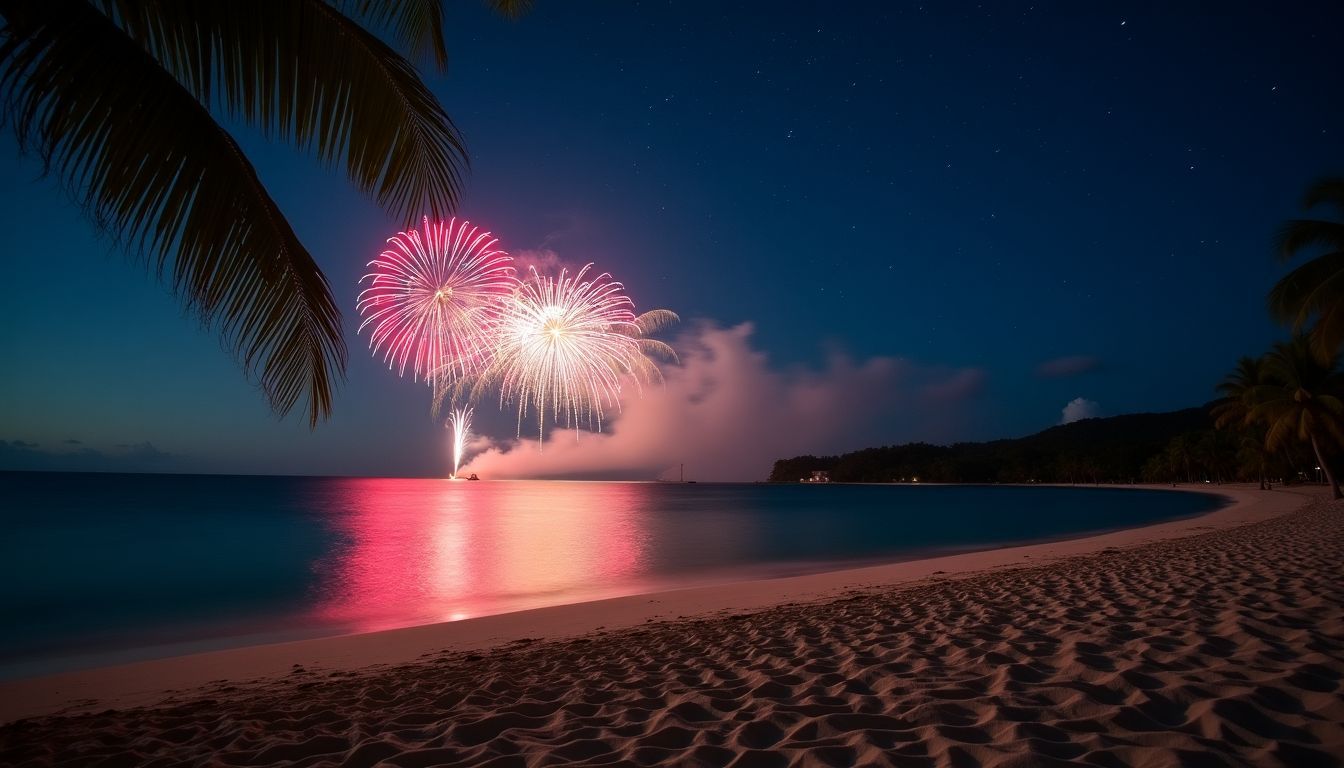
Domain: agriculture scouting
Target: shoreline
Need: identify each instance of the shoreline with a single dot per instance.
(148, 682)
(235, 635)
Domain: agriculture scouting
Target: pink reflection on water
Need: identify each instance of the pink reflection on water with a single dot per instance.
(424, 551)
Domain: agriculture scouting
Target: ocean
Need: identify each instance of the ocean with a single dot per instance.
(102, 568)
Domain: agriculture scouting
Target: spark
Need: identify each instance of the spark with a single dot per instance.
(446, 305)
(460, 422)
(566, 346)
(433, 300)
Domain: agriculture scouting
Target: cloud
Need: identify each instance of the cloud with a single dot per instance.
(727, 415)
(72, 441)
(961, 385)
(1080, 408)
(125, 457)
(143, 451)
(1063, 367)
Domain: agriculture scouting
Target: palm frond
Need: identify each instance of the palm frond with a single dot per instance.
(643, 371)
(1331, 404)
(1330, 425)
(1328, 191)
(510, 9)
(655, 348)
(305, 73)
(656, 320)
(154, 170)
(417, 24)
(1247, 374)
(1300, 294)
(1297, 235)
(1279, 431)
(1229, 414)
(1327, 335)
(1298, 399)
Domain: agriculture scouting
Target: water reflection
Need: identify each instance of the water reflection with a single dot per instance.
(418, 551)
(121, 562)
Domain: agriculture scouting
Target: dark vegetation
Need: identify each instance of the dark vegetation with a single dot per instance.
(1180, 446)
(1280, 417)
(1113, 449)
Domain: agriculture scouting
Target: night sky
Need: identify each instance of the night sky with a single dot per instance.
(941, 222)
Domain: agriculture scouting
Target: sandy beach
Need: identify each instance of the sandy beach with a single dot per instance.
(1217, 640)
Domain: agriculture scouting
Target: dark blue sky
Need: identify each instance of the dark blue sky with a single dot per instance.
(974, 189)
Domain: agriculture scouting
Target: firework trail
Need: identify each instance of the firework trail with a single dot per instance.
(460, 421)
(565, 345)
(433, 301)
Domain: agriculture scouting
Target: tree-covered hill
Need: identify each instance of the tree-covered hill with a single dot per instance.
(1113, 449)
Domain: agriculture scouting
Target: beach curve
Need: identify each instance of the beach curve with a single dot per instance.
(970, 640)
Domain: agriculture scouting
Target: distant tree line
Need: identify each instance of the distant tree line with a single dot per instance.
(1110, 450)
(1280, 416)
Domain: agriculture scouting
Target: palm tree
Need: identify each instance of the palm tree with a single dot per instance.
(1253, 455)
(121, 101)
(1181, 456)
(1236, 388)
(1216, 452)
(1158, 469)
(1315, 289)
(1233, 411)
(1300, 401)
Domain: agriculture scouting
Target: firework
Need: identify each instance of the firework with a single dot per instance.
(566, 344)
(460, 422)
(433, 300)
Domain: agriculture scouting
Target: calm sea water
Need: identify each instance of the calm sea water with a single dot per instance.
(97, 567)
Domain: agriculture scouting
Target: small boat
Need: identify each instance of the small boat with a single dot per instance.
(473, 477)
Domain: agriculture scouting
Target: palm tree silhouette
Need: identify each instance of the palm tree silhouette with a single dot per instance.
(1299, 401)
(1314, 290)
(1233, 412)
(120, 99)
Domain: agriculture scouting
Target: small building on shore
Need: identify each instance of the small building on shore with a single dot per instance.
(818, 476)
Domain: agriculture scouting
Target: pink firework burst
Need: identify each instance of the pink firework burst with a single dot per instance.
(434, 300)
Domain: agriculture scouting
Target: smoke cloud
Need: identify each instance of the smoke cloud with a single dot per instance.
(727, 415)
(544, 260)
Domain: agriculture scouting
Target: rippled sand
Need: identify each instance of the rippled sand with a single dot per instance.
(1222, 648)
